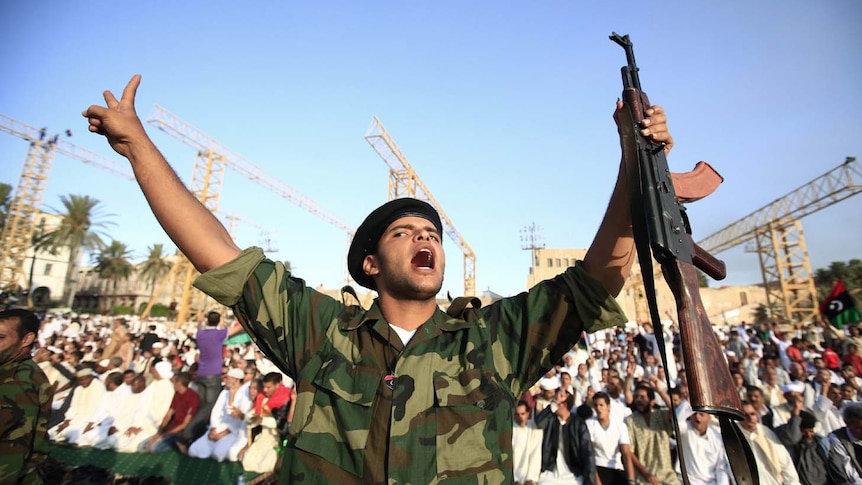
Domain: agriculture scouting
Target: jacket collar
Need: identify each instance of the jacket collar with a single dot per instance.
(353, 317)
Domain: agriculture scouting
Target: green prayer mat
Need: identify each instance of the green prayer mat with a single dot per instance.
(176, 467)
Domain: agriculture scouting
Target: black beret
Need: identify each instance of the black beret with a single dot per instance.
(369, 232)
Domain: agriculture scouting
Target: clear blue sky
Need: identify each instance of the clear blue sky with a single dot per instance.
(503, 108)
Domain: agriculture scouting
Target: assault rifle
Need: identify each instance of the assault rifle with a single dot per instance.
(662, 231)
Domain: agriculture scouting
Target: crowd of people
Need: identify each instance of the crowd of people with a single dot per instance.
(137, 387)
(603, 415)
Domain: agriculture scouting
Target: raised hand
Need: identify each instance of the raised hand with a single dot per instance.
(654, 126)
(118, 121)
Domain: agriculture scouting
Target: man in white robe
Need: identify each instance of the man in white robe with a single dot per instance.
(150, 411)
(774, 464)
(101, 420)
(85, 399)
(526, 446)
(227, 434)
(120, 417)
(702, 449)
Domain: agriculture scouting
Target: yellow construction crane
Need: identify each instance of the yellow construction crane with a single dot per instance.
(775, 233)
(212, 158)
(17, 234)
(405, 182)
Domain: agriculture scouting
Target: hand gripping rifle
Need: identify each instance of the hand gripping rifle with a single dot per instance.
(662, 231)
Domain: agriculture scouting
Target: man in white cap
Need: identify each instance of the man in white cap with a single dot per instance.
(792, 405)
(227, 433)
(85, 399)
(154, 403)
(548, 386)
(152, 356)
(157, 347)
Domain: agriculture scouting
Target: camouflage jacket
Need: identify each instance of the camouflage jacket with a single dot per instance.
(25, 403)
(371, 410)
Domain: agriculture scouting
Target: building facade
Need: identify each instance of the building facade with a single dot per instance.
(44, 268)
(724, 305)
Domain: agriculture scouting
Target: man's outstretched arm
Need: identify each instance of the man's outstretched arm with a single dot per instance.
(611, 254)
(190, 225)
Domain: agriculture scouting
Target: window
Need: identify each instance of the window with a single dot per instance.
(550, 262)
(47, 271)
(559, 262)
(743, 298)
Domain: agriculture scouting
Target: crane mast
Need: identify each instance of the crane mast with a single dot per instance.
(405, 182)
(18, 230)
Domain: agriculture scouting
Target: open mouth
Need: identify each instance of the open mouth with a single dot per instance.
(423, 259)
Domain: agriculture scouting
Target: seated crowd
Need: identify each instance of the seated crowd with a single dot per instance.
(118, 386)
(603, 415)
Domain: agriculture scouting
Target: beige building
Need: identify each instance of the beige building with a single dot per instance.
(724, 305)
(46, 269)
(97, 294)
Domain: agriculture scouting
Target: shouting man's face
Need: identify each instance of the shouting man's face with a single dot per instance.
(409, 262)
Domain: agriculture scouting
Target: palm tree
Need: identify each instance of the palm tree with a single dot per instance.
(850, 273)
(154, 267)
(81, 227)
(763, 313)
(854, 268)
(113, 264)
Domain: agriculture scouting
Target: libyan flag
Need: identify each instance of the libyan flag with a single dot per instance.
(839, 307)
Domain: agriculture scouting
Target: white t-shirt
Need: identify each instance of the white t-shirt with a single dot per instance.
(607, 442)
(404, 335)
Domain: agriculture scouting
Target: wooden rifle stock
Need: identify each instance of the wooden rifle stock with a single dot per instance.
(711, 387)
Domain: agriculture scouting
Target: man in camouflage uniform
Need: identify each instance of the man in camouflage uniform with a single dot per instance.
(25, 400)
(401, 392)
